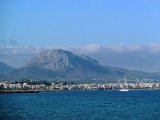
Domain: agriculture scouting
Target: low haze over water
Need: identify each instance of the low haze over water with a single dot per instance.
(81, 105)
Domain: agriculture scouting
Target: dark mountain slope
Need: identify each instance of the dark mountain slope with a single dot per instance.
(57, 64)
(4, 68)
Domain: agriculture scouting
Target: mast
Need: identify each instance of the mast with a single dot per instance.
(125, 82)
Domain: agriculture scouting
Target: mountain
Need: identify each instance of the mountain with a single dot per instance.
(4, 68)
(60, 60)
(61, 65)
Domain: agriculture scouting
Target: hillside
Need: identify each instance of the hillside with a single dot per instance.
(4, 68)
(61, 65)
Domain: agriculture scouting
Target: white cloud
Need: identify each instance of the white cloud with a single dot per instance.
(124, 48)
(153, 47)
(94, 48)
(137, 57)
(91, 48)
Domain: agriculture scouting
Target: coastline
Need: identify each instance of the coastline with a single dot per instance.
(37, 91)
(18, 91)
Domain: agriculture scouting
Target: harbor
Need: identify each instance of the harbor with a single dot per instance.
(10, 87)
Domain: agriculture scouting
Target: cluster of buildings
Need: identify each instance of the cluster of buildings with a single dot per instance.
(5, 85)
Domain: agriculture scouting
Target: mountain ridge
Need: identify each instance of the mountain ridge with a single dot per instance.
(62, 65)
(57, 60)
(4, 68)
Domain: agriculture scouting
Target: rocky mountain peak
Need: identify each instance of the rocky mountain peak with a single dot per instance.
(58, 59)
(57, 64)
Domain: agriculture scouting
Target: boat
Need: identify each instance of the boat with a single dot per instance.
(125, 89)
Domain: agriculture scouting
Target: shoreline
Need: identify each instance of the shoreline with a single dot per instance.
(18, 91)
(37, 91)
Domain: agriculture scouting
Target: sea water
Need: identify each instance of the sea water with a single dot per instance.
(81, 105)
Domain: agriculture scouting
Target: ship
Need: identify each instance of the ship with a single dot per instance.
(125, 89)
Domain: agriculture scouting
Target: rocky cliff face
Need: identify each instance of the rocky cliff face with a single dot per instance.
(61, 60)
(61, 65)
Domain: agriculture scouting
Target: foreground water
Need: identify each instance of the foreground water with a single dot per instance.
(81, 105)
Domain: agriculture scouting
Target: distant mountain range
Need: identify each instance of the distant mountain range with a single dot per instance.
(4, 68)
(61, 65)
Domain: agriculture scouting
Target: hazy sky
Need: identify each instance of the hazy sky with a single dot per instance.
(121, 33)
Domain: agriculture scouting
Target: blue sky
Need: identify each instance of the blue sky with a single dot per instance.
(73, 22)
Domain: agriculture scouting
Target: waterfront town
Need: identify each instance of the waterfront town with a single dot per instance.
(59, 86)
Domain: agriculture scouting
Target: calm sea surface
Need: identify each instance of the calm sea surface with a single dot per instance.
(81, 105)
